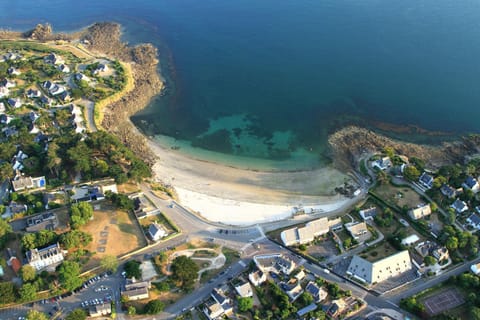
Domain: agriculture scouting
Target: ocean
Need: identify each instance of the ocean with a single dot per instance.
(251, 81)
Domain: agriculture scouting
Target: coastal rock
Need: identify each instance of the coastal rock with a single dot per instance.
(349, 144)
(105, 38)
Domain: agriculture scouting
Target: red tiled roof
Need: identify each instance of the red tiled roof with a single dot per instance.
(16, 265)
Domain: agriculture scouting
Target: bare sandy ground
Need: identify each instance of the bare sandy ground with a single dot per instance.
(240, 196)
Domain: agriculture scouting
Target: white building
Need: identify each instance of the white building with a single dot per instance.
(381, 270)
(244, 290)
(48, 257)
(156, 231)
(257, 278)
(307, 233)
(420, 211)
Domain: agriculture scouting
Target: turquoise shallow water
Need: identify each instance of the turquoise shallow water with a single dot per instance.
(269, 79)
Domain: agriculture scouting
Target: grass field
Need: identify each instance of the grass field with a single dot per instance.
(400, 196)
(114, 233)
(377, 253)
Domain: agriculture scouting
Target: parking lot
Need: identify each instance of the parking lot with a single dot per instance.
(97, 290)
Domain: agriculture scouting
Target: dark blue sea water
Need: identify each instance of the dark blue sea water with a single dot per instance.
(270, 79)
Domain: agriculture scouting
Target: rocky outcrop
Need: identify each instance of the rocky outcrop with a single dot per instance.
(350, 143)
(105, 38)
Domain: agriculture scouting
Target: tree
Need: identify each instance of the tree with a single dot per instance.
(347, 243)
(411, 173)
(5, 230)
(75, 239)
(185, 271)
(77, 314)
(28, 292)
(245, 304)
(28, 273)
(80, 214)
(36, 315)
(109, 263)
(389, 151)
(7, 292)
(131, 311)
(429, 260)
(154, 307)
(475, 313)
(132, 269)
(6, 171)
(69, 275)
(28, 241)
(439, 181)
(451, 243)
(305, 299)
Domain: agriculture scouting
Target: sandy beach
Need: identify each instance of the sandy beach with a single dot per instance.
(237, 196)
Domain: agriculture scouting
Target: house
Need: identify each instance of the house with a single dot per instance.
(86, 193)
(100, 68)
(53, 58)
(15, 102)
(285, 265)
(448, 191)
(257, 278)
(336, 308)
(217, 305)
(381, 270)
(12, 56)
(4, 92)
(65, 96)
(440, 253)
(459, 206)
(318, 293)
(244, 290)
(33, 116)
(299, 275)
(10, 132)
(46, 101)
(307, 233)
(64, 68)
(410, 240)
(46, 258)
(12, 261)
(357, 229)
(100, 310)
(274, 262)
(44, 221)
(382, 163)
(212, 309)
(156, 231)
(33, 93)
(425, 248)
(368, 214)
(81, 77)
(142, 207)
(475, 268)
(5, 119)
(108, 186)
(16, 208)
(53, 88)
(13, 71)
(426, 180)
(23, 183)
(471, 183)
(137, 290)
(292, 289)
(7, 84)
(420, 211)
(474, 221)
(311, 307)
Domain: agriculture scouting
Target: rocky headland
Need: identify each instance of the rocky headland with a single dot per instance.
(349, 144)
